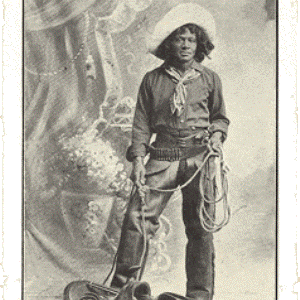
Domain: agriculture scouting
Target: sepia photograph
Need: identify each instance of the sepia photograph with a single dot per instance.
(149, 149)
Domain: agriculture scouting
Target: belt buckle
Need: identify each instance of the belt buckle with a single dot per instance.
(198, 140)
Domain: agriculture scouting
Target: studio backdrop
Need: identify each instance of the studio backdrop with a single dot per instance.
(84, 61)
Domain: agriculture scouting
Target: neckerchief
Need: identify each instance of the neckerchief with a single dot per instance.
(178, 100)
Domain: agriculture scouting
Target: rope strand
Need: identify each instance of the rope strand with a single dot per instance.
(210, 225)
(207, 221)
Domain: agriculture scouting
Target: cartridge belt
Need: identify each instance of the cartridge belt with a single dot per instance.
(174, 154)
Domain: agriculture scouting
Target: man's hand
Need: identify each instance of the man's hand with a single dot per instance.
(138, 177)
(216, 141)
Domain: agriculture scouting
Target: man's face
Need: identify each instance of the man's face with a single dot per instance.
(184, 46)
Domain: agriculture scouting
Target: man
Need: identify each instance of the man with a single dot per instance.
(182, 102)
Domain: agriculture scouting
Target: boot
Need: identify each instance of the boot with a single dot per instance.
(124, 276)
(135, 290)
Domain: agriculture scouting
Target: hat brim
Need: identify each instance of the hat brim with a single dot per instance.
(182, 14)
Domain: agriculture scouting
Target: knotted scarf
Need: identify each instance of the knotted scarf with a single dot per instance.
(178, 100)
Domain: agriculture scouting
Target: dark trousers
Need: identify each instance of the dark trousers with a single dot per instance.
(199, 249)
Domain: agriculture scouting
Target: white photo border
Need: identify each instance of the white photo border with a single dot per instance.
(12, 168)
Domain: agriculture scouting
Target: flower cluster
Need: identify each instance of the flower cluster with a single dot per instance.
(95, 160)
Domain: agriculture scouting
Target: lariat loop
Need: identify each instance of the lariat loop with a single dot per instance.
(220, 190)
(208, 204)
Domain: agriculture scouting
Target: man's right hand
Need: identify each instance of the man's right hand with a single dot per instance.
(139, 172)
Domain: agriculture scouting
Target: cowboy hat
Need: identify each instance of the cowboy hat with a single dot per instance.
(178, 16)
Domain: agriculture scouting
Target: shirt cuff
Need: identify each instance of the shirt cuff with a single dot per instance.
(220, 126)
(135, 151)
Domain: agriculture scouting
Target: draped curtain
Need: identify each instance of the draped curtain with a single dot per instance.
(59, 100)
(77, 127)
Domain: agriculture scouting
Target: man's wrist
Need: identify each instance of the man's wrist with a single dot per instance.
(218, 134)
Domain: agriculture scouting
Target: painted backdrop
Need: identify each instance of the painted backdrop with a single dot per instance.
(84, 61)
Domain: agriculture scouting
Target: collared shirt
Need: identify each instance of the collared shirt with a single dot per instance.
(204, 106)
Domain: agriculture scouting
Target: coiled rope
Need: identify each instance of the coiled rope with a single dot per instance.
(208, 221)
